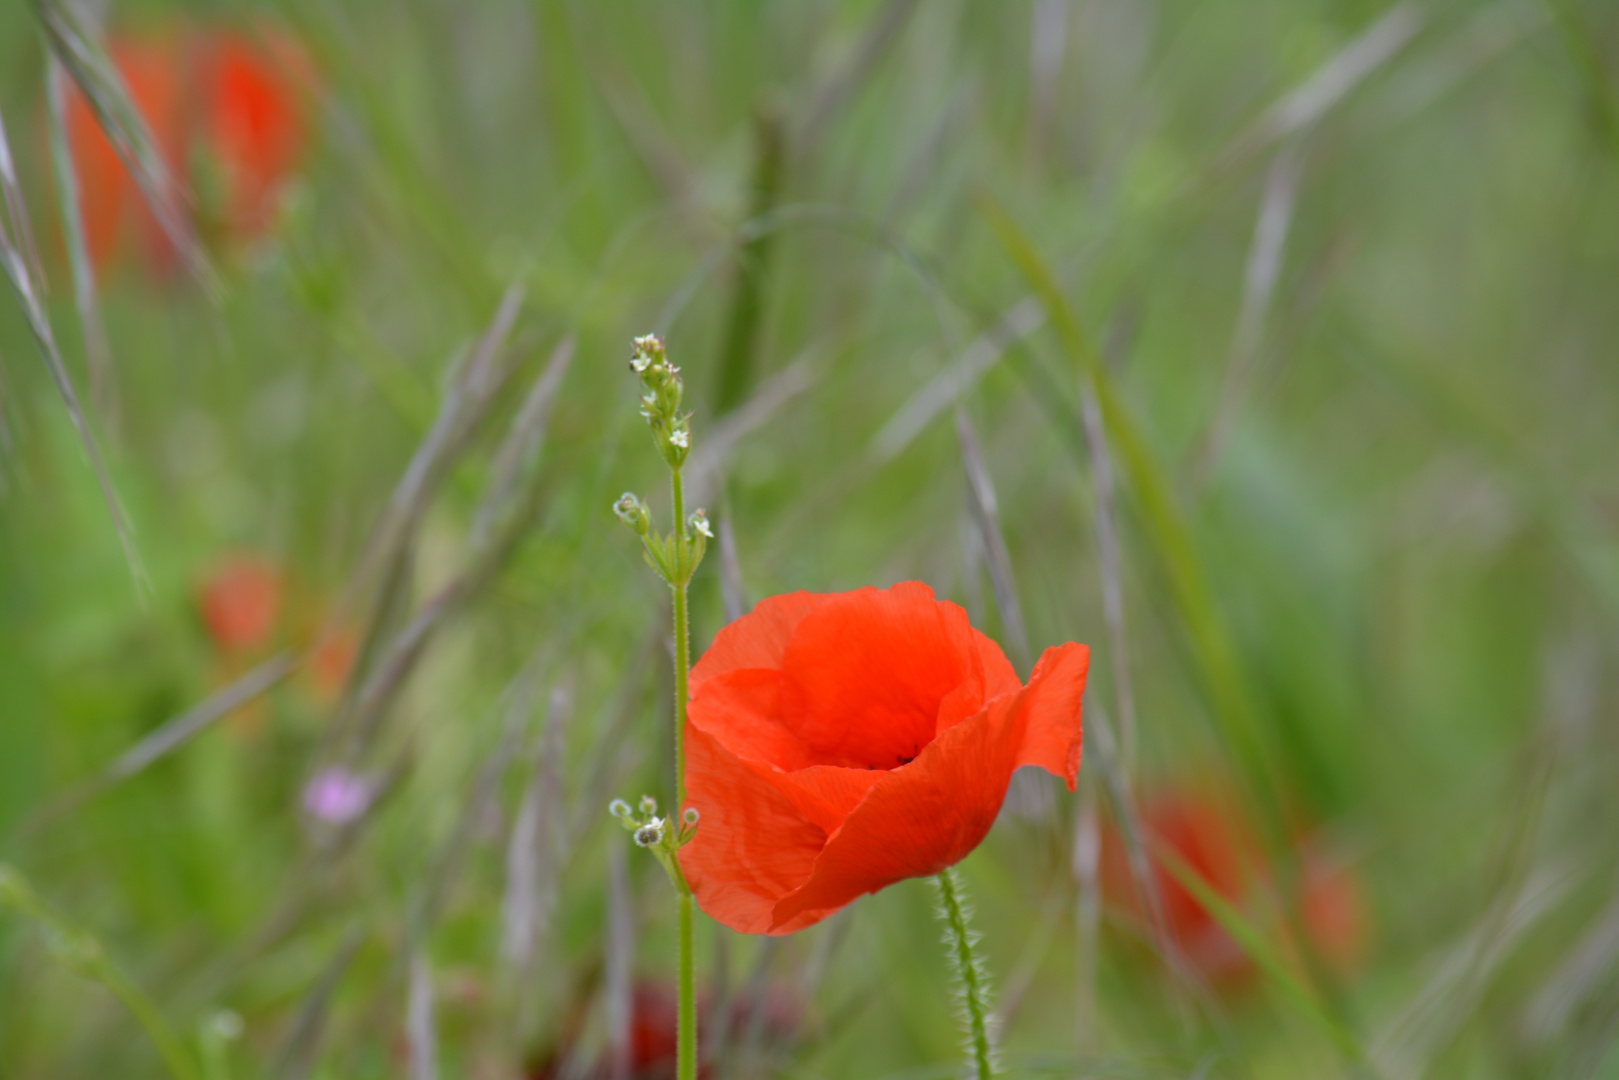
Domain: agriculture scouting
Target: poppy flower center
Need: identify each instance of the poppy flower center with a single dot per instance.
(864, 683)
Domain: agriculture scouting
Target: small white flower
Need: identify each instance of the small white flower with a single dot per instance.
(699, 521)
(680, 439)
(650, 834)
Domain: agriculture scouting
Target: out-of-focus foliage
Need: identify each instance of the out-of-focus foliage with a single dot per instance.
(1349, 274)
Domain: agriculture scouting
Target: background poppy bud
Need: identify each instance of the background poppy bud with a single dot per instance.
(240, 602)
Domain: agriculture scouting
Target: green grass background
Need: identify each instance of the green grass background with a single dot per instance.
(1389, 603)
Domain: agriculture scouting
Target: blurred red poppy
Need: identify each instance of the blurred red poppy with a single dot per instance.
(1204, 825)
(226, 111)
(840, 742)
(108, 195)
(239, 603)
(252, 122)
(331, 661)
(770, 1019)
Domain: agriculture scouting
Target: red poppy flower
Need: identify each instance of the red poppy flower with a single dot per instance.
(331, 662)
(108, 196)
(230, 100)
(837, 743)
(252, 123)
(240, 602)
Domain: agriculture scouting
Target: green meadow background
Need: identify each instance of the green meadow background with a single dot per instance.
(1336, 283)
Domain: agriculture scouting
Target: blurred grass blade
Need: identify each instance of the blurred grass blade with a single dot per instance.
(714, 447)
(735, 372)
(733, 590)
(1587, 52)
(296, 1058)
(1253, 943)
(97, 352)
(1161, 519)
(662, 155)
(612, 742)
(1264, 267)
(618, 1001)
(183, 728)
(1048, 42)
(1110, 565)
(76, 43)
(1085, 860)
(538, 844)
(1103, 749)
(841, 86)
(83, 952)
(472, 386)
(475, 378)
(987, 517)
(522, 446)
(955, 381)
(1036, 950)
(1405, 1045)
(169, 738)
(421, 1031)
(16, 241)
(481, 799)
(1303, 106)
(1587, 965)
(362, 722)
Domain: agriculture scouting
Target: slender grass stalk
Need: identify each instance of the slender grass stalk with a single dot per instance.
(682, 652)
(686, 1033)
(84, 953)
(675, 557)
(686, 1045)
(971, 985)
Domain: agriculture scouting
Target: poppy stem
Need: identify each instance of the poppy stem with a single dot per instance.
(972, 986)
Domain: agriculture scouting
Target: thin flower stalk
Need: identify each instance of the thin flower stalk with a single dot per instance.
(675, 557)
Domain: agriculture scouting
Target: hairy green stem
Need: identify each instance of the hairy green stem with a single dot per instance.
(970, 984)
(686, 1053)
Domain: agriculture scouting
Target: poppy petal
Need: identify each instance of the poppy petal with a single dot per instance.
(1000, 677)
(739, 708)
(758, 639)
(919, 819)
(867, 672)
(753, 845)
(827, 794)
(1055, 737)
